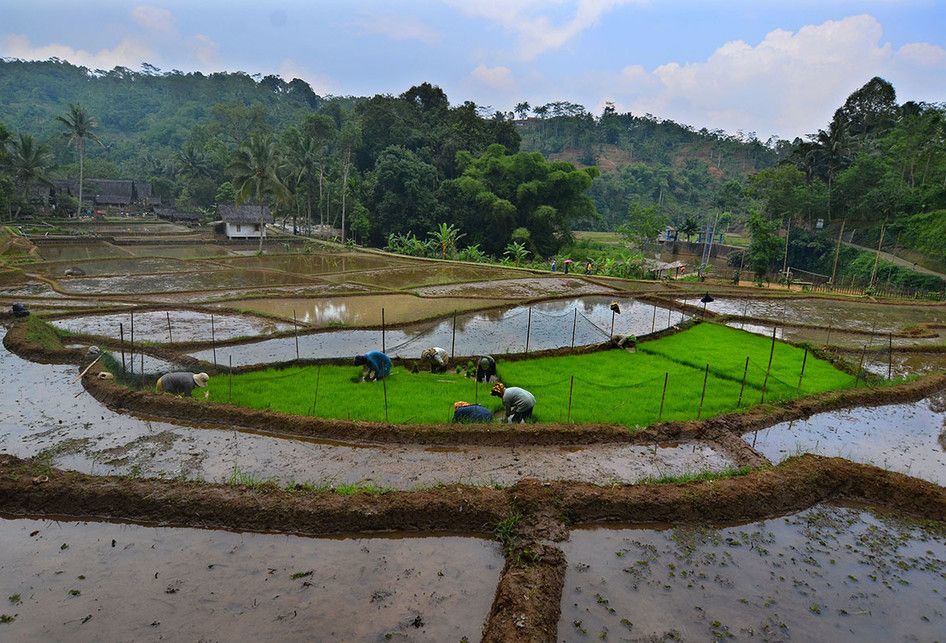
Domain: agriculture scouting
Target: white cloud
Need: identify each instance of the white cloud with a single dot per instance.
(535, 31)
(155, 18)
(205, 50)
(127, 53)
(398, 27)
(790, 83)
(497, 78)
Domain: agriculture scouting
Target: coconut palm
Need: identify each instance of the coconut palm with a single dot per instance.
(445, 237)
(255, 168)
(80, 126)
(28, 162)
(303, 162)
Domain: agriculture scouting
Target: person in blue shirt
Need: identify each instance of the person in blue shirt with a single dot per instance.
(377, 365)
(466, 413)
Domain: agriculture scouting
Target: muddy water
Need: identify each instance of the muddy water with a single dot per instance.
(360, 311)
(84, 250)
(176, 251)
(524, 287)
(428, 274)
(824, 312)
(181, 281)
(834, 337)
(41, 414)
(828, 573)
(908, 438)
(114, 267)
(186, 326)
(102, 581)
(496, 331)
(316, 264)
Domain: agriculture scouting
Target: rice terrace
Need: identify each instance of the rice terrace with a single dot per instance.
(291, 365)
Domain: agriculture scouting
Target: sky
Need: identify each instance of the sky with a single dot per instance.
(763, 66)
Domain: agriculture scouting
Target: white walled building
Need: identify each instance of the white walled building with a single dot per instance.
(244, 221)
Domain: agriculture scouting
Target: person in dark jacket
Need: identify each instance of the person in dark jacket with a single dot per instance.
(182, 383)
(485, 369)
(466, 413)
(376, 363)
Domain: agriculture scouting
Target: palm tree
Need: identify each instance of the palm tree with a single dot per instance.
(255, 168)
(517, 252)
(446, 237)
(689, 228)
(79, 127)
(28, 162)
(193, 163)
(303, 160)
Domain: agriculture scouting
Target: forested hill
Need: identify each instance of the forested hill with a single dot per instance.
(647, 160)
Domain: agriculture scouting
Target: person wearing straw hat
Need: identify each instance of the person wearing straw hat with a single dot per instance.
(377, 365)
(466, 413)
(486, 369)
(182, 383)
(517, 402)
(437, 358)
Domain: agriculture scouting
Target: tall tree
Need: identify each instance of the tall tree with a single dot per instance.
(80, 127)
(255, 169)
(28, 162)
(446, 237)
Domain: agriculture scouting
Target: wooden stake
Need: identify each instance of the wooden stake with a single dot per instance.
(574, 327)
(383, 334)
(295, 328)
(170, 337)
(121, 335)
(213, 339)
(663, 396)
(699, 412)
(529, 329)
(742, 388)
(571, 386)
(612, 323)
(318, 376)
(890, 356)
(804, 360)
(230, 381)
(653, 324)
(131, 348)
(453, 337)
(765, 383)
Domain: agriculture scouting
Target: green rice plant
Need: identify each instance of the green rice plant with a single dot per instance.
(42, 333)
(701, 476)
(604, 387)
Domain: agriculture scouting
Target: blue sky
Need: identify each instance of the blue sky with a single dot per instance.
(762, 66)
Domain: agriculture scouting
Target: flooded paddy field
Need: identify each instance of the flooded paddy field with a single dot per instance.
(828, 573)
(909, 438)
(526, 287)
(74, 431)
(196, 250)
(316, 264)
(427, 274)
(836, 337)
(106, 581)
(186, 326)
(118, 266)
(180, 281)
(856, 315)
(360, 310)
(498, 331)
(76, 251)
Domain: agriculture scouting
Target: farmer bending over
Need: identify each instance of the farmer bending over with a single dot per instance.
(437, 358)
(485, 369)
(377, 365)
(517, 402)
(466, 413)
(181, 383)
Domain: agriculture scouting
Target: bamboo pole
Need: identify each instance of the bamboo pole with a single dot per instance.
(699, 411)
(742, 388)
(121, 339)
(663, 396)
(804, 361)
(318, 376)
(383, 334)
(529, 329)
(230, 381)
(213, 338)
(131, 347)
(295, 332)
(571, 387)
(170, 337)
(768, 369)
(890, 356)
(574, 327)
(453, 336)
(653, 323)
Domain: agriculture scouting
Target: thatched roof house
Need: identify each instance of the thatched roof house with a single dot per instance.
(173, 214)
(112, 191)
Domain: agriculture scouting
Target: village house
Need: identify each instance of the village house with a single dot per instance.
(243, 221)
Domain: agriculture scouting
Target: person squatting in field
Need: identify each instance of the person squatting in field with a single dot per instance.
(466, 413)
(517, 402)
(182, 383)
(436, 358)
(376, 364)
(486, 369)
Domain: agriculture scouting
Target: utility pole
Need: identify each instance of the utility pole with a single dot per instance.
(837, 252)
(873, 273)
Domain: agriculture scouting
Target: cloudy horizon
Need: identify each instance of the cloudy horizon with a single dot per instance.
(765, 67)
